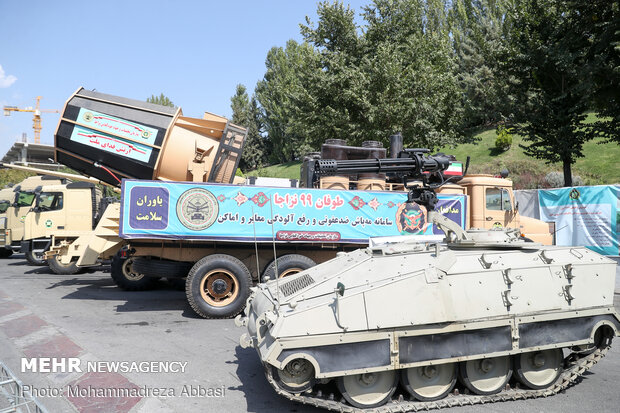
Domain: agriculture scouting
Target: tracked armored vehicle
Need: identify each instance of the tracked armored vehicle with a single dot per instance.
(483, 317)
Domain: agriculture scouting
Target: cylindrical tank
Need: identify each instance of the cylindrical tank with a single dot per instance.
(335, 149)
(372, 182)
(140, 140)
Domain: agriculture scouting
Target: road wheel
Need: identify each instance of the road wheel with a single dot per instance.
(218, 286)
(297, 376)
(126, 278)
(35, 258)
(62, 269)
(368, 390)
(5, 252)
(287, 265)
(486, 376)
(429, 383)
(539, 369)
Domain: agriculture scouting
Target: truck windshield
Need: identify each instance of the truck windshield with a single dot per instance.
(498, 199)
(25, 198)
(4, 205)
(49, 201)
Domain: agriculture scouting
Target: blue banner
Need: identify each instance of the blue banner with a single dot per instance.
(193, 211)
(584, 215)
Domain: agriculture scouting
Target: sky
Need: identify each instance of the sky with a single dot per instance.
(195, 52)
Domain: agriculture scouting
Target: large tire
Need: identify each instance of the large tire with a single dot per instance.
(62, 269)
(287, 265)
(5, 252)
(218, 286)
(34, 258)
(124, 277)
(161, 268)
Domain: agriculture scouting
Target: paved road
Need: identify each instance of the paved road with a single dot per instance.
(42, 314)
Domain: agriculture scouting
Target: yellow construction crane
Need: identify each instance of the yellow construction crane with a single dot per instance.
(36, 119)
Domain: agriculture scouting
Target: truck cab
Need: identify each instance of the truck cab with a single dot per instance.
(6, 199)
(21, 202)
(60, 212)
(492, 205)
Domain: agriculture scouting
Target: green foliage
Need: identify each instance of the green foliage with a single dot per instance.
(477, 28)
(288, 170)
(278, 94)
(160, 100)
(504, 137)
(246, 114)
(395, 75)
(596, 23)
(545, 62)
(13, 176)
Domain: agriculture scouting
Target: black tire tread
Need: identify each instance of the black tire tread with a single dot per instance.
(116, 271)
(238, 305)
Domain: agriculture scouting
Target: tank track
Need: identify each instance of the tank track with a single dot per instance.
(574, 367)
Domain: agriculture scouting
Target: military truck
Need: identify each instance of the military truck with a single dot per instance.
(64, 206)
(21, 203)
(217, 267)
(6, 199)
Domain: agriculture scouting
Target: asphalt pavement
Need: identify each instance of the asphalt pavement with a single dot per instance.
(86, 316)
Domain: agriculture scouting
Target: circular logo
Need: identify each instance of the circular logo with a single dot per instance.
(88, 116)
(411, 218)
(146, 134)
(574, 194)
(48, 223)
(197, 209)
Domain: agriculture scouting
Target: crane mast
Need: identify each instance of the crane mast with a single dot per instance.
(36, 119)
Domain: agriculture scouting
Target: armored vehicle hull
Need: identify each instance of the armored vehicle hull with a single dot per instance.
(484, 318)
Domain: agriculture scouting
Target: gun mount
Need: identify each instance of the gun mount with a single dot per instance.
(420, 173)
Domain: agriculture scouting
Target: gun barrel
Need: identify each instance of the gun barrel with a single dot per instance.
(414, 165)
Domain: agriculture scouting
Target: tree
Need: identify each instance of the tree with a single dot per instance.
(397, 75)
(246, 114)
(546, 64)
(598, 23)
(477, 28)
(278, 95)
(161, 100)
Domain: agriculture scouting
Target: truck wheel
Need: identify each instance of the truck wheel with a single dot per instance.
(5, 252)
(287, 265)
(218, 286)
(161, 268)
(62, 269)
(35, 258)
(126, 278)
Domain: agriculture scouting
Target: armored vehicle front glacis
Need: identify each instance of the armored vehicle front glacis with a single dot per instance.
(438, 324)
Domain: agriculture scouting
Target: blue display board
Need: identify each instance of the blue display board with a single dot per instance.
(188, 210)
(584, 215)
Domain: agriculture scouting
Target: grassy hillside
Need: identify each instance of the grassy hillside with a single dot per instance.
(598, 166)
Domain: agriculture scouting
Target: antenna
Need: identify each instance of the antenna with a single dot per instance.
(275, 257)
(255, 245)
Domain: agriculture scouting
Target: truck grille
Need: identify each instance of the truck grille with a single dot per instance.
(298, 284)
